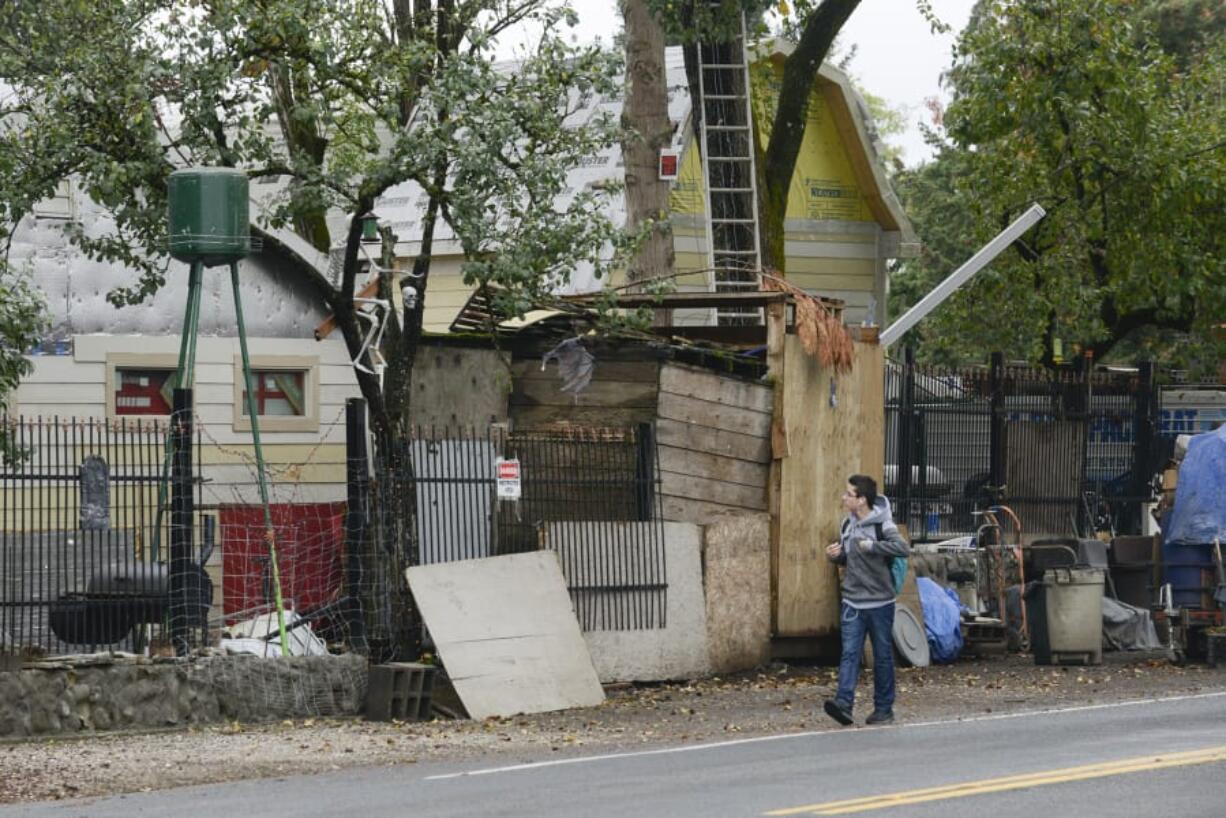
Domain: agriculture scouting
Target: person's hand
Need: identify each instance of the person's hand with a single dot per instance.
(834, 550)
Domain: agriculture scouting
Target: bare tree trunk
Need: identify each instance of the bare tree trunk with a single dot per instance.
(302, 140)
(404, 336)
(645, 116)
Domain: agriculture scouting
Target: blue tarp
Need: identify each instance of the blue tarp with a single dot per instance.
(1199, 514)
(942, 623)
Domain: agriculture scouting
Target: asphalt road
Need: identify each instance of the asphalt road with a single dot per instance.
(1165, 757)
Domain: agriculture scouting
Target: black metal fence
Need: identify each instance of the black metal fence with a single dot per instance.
(105, 541)
(86, 534)
(435, 495)
(592, 495)
(1071, 450)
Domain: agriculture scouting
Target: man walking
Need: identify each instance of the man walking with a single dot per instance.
(868, 543)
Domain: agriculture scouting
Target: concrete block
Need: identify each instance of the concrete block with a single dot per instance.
(400, 691)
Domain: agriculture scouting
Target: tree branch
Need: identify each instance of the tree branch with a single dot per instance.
(799, 72)
(1124, 325)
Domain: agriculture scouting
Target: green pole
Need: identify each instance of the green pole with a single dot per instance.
(259, 460)
(191, 319)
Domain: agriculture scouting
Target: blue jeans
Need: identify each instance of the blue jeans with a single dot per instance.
(878, 625)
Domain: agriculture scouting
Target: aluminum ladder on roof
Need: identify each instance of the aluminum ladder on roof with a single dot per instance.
(733, 246)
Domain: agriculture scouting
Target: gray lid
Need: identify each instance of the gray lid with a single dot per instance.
(909, 638)
(1073, 576)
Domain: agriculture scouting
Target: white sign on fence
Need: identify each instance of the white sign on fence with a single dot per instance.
(507, 472)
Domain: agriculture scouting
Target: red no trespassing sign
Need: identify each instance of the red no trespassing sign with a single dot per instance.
(508, 479)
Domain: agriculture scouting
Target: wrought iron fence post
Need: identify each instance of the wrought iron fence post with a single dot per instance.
(922, 507)
(906, 443)
(1145, 432)
(645, 470)
(356, 475)
(996, 426)
(1075, 405)
(184, 578)
(1083, 391)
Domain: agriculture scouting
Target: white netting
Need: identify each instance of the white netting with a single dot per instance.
(100, 553)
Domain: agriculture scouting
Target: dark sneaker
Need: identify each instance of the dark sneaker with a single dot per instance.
(838, 712)
(879, 717)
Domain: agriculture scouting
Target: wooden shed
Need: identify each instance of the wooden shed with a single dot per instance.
(778, 433)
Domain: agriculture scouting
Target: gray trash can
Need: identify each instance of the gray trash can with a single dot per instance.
(1072, 617)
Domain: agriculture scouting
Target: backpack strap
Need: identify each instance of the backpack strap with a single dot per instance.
(878, 529)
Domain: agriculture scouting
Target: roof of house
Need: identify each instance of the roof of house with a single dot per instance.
(76, 285)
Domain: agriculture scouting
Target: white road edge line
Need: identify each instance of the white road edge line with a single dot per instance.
(810, 733)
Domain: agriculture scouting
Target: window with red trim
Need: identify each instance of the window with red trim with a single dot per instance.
(278, 393)
(143, 391)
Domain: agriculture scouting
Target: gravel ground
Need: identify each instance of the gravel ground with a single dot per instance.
(772, 700)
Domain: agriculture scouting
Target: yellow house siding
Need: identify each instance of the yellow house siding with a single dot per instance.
(446, 292)
(689, 193)
(855, 273)
(849, 289)
(824, 183)
(829, 229)
(690, 234)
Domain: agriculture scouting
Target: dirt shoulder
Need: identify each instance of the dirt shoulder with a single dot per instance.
(778, 699)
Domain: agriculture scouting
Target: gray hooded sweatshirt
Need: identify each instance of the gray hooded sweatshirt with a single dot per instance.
(867, 582)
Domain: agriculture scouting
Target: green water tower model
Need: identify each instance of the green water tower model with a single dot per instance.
(209, 215)
(209, 225)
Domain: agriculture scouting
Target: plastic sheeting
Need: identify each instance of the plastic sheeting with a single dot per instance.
(942, 620)
(1199, 515)
(1127, 627)
(261, 636)
(575, 365)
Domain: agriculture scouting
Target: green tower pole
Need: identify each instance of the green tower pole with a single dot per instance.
(259, 460)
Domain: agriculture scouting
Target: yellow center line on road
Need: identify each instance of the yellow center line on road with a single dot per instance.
(1208, 755)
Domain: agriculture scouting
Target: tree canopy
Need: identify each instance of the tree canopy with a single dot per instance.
(22, 320)
(338, 100)
(1077, 105)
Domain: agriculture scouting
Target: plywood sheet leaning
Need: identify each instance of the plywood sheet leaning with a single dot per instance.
(507, 634)
(827, 441)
